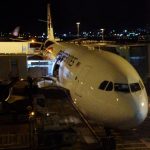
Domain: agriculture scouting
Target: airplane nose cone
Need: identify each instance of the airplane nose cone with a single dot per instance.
(142, 110)
(138, 112)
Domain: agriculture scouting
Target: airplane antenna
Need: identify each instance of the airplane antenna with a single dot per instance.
(50, 31)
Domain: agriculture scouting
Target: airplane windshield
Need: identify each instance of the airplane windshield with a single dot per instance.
(103, 85)
(120, 87)
(135, 87)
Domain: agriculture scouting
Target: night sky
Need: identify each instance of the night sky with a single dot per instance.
(93, 14)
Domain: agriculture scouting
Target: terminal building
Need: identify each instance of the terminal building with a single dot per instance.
(19, 47)
(22, 66)
(16, 62)
(13, 65)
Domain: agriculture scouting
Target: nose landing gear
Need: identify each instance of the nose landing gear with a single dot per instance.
(108, 142)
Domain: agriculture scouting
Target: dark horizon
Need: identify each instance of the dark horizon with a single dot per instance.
(65, 14)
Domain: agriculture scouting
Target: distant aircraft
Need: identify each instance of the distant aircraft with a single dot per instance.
(102, 85)
(16, 31)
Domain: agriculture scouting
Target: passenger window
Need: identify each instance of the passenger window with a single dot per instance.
(109, 87)
(103, 85)
(135, 87)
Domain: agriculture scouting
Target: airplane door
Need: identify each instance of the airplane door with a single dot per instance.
(80, 82)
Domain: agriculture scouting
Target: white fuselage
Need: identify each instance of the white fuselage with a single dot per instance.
(103, 85)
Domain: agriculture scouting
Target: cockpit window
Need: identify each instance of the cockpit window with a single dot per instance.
(141, 85)
(103, 85)
(109, 86)
(135, 87)
(120, 87)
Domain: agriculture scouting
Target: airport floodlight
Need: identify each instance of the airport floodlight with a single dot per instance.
(78, 28)
(102, 30)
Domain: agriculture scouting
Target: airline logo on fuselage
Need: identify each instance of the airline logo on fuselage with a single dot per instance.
(67, 58)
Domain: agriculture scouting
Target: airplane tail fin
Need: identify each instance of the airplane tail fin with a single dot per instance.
(50, 31)
(16, 31)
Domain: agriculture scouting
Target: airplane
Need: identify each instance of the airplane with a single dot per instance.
(103, 86)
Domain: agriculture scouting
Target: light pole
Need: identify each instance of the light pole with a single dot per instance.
(78, 26)
(102, 34)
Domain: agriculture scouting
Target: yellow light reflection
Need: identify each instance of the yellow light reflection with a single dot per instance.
(142, 104)
(92, 88)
